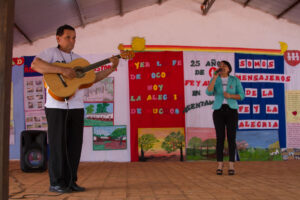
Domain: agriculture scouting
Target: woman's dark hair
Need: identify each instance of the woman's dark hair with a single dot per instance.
(228, 65)
(60, 30)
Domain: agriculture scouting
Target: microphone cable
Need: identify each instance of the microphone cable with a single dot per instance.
(67, 152)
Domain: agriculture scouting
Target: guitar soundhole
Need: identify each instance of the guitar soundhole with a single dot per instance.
(79, 72)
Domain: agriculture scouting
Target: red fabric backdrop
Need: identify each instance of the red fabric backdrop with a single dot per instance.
(156, 93)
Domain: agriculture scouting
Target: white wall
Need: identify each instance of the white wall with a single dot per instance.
(175, 22)
(179, 22)
(121, 115)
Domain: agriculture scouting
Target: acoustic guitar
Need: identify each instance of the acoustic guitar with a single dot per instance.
(61, 87)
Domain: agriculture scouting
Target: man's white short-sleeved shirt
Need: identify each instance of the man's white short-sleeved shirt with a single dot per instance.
(53, 55)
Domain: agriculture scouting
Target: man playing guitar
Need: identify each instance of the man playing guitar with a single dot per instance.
(65, 118)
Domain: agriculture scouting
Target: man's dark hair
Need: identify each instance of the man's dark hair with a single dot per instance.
(60, 30)
(228, 65)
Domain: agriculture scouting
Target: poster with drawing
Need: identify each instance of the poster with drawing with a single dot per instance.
(258, 145)
(109, 137)
(161, 144)
(101, 91)
(34, 93)
(34, 100)
(98, 114)
(35, 120)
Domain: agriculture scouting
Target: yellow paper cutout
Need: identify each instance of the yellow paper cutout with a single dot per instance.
(138, 44)
(283, 47)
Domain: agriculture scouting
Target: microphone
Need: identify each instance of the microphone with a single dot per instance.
(218, 70)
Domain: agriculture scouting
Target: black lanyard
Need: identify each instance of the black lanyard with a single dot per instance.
(64, 61)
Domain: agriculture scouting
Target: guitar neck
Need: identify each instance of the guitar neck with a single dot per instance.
(98, 64)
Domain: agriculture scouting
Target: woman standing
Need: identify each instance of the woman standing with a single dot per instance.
(227, 90)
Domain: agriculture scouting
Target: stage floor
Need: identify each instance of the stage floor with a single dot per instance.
(272, 180)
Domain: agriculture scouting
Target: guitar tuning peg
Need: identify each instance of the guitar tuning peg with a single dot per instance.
(121, 47)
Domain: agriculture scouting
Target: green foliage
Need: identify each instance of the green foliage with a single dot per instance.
(102, 107)
(209, 143)
(147, 141)
(275, 145)
(195, 142)
(90, 122)
(90, 109)
(277, 157)
(173, 142)
(198, 154)
(98, 147)
(118, 133)
(257, 154)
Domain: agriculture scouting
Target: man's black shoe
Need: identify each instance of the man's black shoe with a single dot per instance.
(77, 188)
(59, 189)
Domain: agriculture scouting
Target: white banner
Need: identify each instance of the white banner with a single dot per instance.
(292, 105)
(198, 70)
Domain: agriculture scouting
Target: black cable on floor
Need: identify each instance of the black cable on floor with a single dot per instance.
(22, 189)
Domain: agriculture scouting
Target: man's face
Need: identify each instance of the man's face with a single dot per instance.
(67, 40)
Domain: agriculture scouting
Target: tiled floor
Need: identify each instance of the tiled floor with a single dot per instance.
(272, 180)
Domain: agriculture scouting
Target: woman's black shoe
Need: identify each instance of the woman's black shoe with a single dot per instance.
(219, 171)
(231, 172)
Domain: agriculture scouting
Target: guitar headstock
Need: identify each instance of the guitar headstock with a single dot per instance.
(125, 54)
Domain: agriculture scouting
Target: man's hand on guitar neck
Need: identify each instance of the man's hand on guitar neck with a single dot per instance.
(70, 73)
(103, 74)
(115, 62)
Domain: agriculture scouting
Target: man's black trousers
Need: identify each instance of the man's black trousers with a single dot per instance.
(65, 132)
